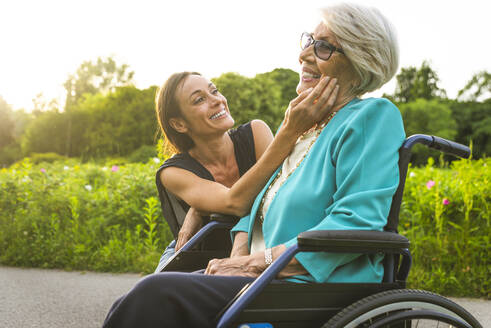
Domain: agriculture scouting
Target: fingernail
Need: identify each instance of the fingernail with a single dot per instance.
(309, 89)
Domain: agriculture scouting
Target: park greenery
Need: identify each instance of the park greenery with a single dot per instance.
(107, 217)
(77, 186)
(105, 115)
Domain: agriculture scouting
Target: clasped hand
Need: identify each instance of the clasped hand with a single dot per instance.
(246, 266)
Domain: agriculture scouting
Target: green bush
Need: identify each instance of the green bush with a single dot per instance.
(107, 218)
(84, 217)
(37, 158)
(142, 154)
(445, 215)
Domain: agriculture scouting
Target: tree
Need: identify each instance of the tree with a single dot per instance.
(6, 124)
(431, 117)
(288, 81)
(46, 133)
(414, 83)
(474, 124)
(252, 98)
(41, 104)
(103, 75)
(11, 127)
(114, 124)
(479, 86)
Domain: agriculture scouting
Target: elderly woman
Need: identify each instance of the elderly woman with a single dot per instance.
(340, 175)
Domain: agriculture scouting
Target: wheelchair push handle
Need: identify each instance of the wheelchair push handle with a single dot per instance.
(450, 147)
(441, 144)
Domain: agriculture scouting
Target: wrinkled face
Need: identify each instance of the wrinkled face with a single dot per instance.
(205, 110)
(337, 66)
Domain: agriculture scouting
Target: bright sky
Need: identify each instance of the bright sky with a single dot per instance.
(44, 41)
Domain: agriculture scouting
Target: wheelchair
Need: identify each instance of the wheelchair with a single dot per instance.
(385, 304)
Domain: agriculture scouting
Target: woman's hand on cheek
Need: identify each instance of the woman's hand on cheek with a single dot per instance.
(311, 106)
(246, 266)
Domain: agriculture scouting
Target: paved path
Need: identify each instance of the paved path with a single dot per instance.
(53, 298)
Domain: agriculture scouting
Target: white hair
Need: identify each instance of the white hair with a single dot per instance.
(369, 41)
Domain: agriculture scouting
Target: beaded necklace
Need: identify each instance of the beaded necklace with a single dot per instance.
(317, 130)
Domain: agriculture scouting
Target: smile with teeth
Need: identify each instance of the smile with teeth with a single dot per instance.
(307, 75)
(218, 115)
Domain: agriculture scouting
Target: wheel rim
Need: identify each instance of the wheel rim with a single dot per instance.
(398, 307)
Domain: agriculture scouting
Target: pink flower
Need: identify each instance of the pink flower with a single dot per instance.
(430, 184)
(43, 170)
(115, 168)
(445, 201)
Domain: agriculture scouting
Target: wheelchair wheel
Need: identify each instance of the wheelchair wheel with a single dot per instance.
(403, 308)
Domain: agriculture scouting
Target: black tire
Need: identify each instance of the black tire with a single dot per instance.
(390, 305)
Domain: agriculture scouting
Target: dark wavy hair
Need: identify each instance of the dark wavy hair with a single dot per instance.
(167, 107)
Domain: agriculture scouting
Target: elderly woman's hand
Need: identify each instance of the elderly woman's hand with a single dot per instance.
(311, 106)
(246, 266)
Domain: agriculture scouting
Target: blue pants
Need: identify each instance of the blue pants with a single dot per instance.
(174, 299)
(168, 253)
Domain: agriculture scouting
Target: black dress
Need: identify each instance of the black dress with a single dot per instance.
(245, 155)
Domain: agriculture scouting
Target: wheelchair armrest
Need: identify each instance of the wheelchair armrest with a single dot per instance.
(352, 241)
(224, 218)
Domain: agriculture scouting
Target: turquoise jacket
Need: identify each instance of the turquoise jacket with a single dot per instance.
(346, 181)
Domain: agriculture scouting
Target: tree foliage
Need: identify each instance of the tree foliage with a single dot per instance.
(120, 122)
(113, 124)
(46, 134)
(102, 75)
(265, 96)
(427, 117)
(6, 124)
(474, 125)
(479, 86)
(106, 116)
(414, 83)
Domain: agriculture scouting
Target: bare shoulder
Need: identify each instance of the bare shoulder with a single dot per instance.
(259, 127)
(175, 178)
(262, 136)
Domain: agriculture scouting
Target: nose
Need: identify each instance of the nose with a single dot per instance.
(216, 98)
(307, 55)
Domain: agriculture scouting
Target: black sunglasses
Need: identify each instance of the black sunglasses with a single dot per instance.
(322, 48)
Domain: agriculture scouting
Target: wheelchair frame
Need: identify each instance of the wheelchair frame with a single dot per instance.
(373, 304)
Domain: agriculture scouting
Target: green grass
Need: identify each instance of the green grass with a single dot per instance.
(108, 218)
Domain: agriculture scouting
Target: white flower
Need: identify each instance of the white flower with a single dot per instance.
(88, 187)
(104, 168)
(65, 168)
(412, 174)
(156, 160)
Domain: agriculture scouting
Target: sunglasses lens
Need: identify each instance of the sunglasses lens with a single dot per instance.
(305, 41)
(323, 50)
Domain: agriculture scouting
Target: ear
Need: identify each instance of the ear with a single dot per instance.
(178, 124)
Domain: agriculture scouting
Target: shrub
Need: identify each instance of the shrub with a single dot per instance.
(81, 216)
(445, 214)
(142, 154)
(37, 158)
(107, 218)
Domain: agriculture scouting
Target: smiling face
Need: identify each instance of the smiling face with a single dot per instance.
(313, 68)
(204, 108)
